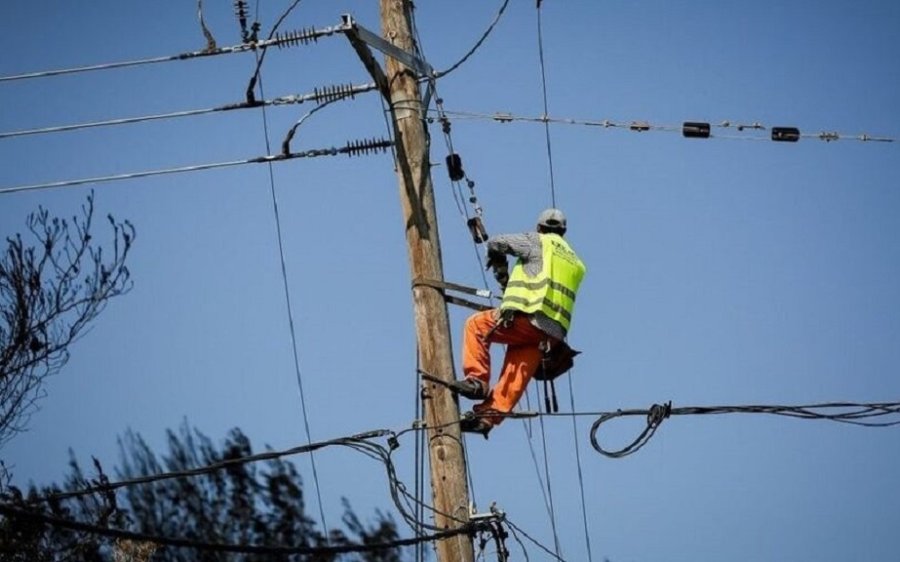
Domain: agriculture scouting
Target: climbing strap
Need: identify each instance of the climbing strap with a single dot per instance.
(444, 286)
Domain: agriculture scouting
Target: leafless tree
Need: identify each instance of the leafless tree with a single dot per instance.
(49, 294)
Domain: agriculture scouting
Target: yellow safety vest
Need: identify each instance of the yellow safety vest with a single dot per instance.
(552, 291)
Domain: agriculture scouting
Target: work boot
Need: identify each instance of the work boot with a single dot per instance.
(469, 388)
(471, 424)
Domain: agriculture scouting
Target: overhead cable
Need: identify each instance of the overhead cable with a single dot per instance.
(318, 95)
(14, 512)
(289, 39)
(745, 131)
(843, 412)
(352, 148)
(221, 465)
(478, 43)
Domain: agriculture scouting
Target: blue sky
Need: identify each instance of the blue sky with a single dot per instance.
(721, 271)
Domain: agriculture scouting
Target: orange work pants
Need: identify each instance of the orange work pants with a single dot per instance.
(523, 357)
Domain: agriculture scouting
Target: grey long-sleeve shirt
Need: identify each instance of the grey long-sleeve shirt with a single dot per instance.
(527, 247)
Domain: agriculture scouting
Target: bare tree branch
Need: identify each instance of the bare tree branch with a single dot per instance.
(50, 292)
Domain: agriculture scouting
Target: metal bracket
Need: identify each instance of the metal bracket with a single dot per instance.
(361, 39)
(373, 40)
(495, 514)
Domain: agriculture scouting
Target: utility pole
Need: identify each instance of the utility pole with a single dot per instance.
(449, 485)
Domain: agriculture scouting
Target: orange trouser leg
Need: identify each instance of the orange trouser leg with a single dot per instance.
(476, 360)
(523, 357)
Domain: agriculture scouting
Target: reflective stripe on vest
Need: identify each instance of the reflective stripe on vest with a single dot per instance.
(552, 291)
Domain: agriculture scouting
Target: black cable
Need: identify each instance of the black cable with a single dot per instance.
(221, 465)
(18, 513)
(478, 43)
(848, 412)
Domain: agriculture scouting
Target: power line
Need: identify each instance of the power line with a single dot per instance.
(843, 412)
(318, 95)
(352, 148)
(745, 132)
(289, 39)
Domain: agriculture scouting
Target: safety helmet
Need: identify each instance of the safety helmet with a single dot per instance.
(552, 219)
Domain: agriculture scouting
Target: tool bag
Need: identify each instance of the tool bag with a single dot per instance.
(557, 360)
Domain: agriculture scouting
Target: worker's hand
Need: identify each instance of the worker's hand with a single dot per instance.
(495, 260)
(501, 274)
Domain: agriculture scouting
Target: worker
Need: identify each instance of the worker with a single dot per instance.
(536, 312)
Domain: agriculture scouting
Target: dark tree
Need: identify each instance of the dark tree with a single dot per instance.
(51, 288)
(259, 503)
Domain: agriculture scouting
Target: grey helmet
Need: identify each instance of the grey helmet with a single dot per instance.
(552, 219)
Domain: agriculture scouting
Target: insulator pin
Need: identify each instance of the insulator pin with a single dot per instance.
(366, 146)
(454, 167)
(785, 134)
(695, 130)
(333, 93)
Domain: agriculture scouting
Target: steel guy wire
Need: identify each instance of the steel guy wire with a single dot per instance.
(290, 310)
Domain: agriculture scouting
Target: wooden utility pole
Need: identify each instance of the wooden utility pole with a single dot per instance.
(449, 485)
